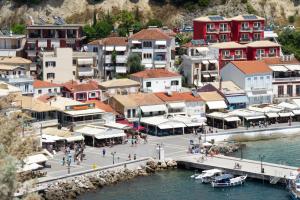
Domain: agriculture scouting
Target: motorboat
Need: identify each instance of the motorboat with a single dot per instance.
(195, 174)
(294, 186)
(227, 180)
(208, 176)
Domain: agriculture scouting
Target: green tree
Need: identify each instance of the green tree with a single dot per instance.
(154, 22)
(291, 19)
(134, 63)
(114, 59)
(203, 3)
(126, 20)
(103, 28)
(18, 28)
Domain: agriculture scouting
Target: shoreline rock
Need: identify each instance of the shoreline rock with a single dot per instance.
(74, 187)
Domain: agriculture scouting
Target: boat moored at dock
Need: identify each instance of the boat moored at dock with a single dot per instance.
(227, 180)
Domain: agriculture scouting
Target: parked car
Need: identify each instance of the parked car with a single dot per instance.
(289, 27)
(187, 29)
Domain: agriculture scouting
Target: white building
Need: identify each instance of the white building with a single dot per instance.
(255, 77)
(105, 48)
(199, 65)
(16, 71)
(158, 80)
(62, 65)
(155, 47)
(44, 87)
(11, 44)
(286, 77)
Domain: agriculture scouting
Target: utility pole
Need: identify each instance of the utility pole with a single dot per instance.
(113, 155)
(261, 157)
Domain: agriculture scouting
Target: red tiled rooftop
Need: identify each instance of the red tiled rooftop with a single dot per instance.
(178, 96)
(73, 86)
(279, 61)
(252, 67)
(111, 41)
(44, 84)
(155, 73)
(103, 106)
(150, 34)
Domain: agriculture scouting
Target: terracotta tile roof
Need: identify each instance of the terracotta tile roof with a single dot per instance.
(150, 34)
(73, 86)
(139, 99)
(14, 60)
(279, 61)
(103, 106)
(252, 67)
(118, 83)
(111, 41)
(155, 73)
(178, 96)
(44, 84)
(263, 43)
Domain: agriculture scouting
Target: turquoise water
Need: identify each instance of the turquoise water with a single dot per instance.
(177, 184)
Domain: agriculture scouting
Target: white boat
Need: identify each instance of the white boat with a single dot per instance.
(294, 186)
(208, 175)
(229, 182)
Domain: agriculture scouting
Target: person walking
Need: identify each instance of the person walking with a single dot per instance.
(134, 157)
(63, 161)
(103, 152)
(129, 157)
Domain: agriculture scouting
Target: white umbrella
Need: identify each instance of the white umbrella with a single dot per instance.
(207, 144)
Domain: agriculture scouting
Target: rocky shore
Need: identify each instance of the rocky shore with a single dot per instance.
(72, 188)
(225, 148)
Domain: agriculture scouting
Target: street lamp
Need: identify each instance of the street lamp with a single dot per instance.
(113, 155)
(159, 150)
(261, 157)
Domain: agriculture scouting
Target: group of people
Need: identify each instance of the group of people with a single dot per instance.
(77, 156)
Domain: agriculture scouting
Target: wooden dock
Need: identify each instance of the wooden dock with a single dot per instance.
(273, 173)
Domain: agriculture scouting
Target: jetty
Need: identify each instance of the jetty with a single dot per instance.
(273, 173)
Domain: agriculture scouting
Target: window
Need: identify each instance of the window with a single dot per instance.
(245, 25)
(249, 79)
(255, 78)
(92, 94)
(50, 76)
(49, 91)
(133, 112)
(256, 25)
(26, 87)
(297, 90)
(39, 91)
(260, 53)
(50, 64)
(147, 56)
(226, 52)
(209, 27)
(147, 44)
(280, 90)
(74, 61)
(261, 78)
(238, 52)
(209, 37)
(148, 84)
(245, 36)
(223, 37)
(80, 96)
(223, 27)
(55, 90)
(256, 36)
(174, 82)
(95, 49)
(290, 90)
(272, 51)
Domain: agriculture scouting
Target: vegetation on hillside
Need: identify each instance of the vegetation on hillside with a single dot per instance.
(134, 63)
(290, 41)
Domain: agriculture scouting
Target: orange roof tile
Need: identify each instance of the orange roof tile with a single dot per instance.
(252, 67)
(150, 34)
(178, 96)
(155, 73)
(73, 86)
(111, 41)
(279, 61)
(103, 106)
(44, 84)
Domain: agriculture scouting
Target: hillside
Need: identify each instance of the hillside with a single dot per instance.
(81, 11)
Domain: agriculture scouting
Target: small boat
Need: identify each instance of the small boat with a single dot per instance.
(195, 174)
(294, 186)
(208, 176)
(228, 181)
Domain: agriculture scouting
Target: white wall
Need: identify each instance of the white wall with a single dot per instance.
(195, 108)
(162, 84)
(227, 73)
(45, 91)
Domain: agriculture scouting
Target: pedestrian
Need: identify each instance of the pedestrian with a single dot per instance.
(103, 152)
(134, 157)
(63, 161)
(132, 142)
(129, 157)
(135, 142)
(118, 159)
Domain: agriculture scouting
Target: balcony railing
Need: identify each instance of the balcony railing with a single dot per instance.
(246, 29)
(224, 30)
(258, 28)
(286, 79)
(212, 30)
(239, 57)
(16, 78)
(227, 57)
(245, 40)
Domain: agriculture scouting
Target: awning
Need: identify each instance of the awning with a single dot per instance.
(110, 135)
(136, 42)
(29, 167)
(153, 108)
(38, 158)
(213, 74)
(117, 125)
(213, 61)
(237, 99)
(205, 62)
(109, 48)
(232, 119)
(255, 117)
(164, 126)
(121, 70)
(296, 112)
(176, 105)
(206, 75)
(85, 61)
(120, 48)
(278, 68)
(161, 42)
(293, 67)
(75, 138)
(216, 105)
(287, 114)
(195, 124)
(201, 49)
(272, 115)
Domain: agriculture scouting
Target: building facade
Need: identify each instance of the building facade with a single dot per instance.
(46, 88)
(254, 77)
(158, 80)
(261, 49)
(12, 44)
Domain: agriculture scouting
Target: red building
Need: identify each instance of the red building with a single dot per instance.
(81, 91)
(212, 29)
(247, 28)
(262, 49)
(229, 51)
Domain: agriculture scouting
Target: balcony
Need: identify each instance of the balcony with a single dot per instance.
(160, 62)
(45, 123)
(246, 29)
(286, 79)
(212, 30)
(225, 30)
(239, 57)
(85, 72)
(258, 29)
(245, 40)
(227, 57)
(14, 79)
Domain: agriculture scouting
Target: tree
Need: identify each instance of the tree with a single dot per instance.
(114, 59)
(103, 28)
(18, 28)
(291, 19)
(203, 3)
(154, 22)
(134, 63)
(126, 19)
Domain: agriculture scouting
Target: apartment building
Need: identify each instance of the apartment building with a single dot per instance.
(261, 49)
(11, 44)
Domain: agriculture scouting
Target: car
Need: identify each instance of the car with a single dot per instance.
(187, 29)
(289, 27)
